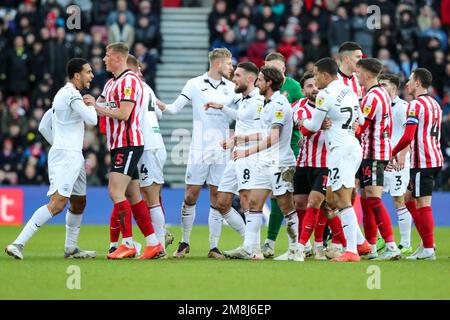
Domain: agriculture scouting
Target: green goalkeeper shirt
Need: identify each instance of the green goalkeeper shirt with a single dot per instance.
(292, 90)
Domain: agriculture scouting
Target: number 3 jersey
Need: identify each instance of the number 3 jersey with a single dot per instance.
(425, 147)
(376, 139)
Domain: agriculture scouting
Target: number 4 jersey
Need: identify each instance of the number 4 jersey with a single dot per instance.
(425, 147)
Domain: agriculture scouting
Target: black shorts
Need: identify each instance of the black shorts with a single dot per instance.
(310, 179)
(421, 181)
(372, 173)
(125, 160)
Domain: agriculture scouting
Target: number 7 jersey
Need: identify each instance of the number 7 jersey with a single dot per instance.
(341, 106)
(425, 147)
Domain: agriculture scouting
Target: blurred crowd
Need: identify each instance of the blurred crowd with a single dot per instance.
(35, 44)
(405, 35)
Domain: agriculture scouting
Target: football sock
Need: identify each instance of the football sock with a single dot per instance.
(254, 222)
(404, 224)
(425, 215)
(309, 222)
(235, 221)
(122, 211)
(275, 220)
(336, 229)
(414, 214)
(187, 220)
(350, 226)
(320, 226)
(292, 229)
(114, 230)
(369, 222)
(215, 220)
(382, 218)
(142, 217)
(73, 223)
(39, 218)
(158, 220)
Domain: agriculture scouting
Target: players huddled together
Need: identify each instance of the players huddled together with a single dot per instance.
(310, 148)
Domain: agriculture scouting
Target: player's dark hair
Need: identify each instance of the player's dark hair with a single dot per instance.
(390, 77)
(275, 56)
(307, 75)
(249, 67)
(424, 76)
(374, 66)
(327, 65)
(349, 46)
(274, 75)
(75, 65)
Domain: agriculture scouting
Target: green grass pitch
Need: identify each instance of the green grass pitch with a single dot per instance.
(43, 274)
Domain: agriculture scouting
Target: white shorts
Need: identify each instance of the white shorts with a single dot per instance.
(396, 182)
(206, 166)
(66, 173)
(237, 176)
(343, 164)
(151, 167)
(279, 180)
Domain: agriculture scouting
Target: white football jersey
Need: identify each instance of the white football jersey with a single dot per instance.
(278, 111)
(149, 124)
(399, 110)
(340, 104)
(248, 115)
(210, 127)
(69, 113)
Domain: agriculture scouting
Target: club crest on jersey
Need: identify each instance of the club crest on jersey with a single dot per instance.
(319, 102)
(367, 109)
(127, 92)
(259, 109)
(279, 114)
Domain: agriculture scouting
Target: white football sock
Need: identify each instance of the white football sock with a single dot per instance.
(404, 224)
(113, 245)
(391, 246)
(252, 228)
(373, 248)
(360, 239)
(151, 240)
(39, 218)
(158, 221)
(187, 221)
(350, 226)
(73, 223)
(215, 221)
(128, 242)
(233, 218)
(292, 229)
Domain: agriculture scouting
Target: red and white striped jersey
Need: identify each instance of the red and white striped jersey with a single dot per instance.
(425, 147)
(352, 82)
(314, 151)
(121, 133)
(376, 139)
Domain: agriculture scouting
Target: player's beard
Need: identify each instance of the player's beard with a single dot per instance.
(241, 88)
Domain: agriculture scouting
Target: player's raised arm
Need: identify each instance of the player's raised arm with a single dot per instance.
(182, 100)
(45, 126)
(86, 111)
(318, 116)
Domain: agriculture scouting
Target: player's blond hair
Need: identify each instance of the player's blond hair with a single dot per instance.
(119, 47)
(219, 53)
(133, 61)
